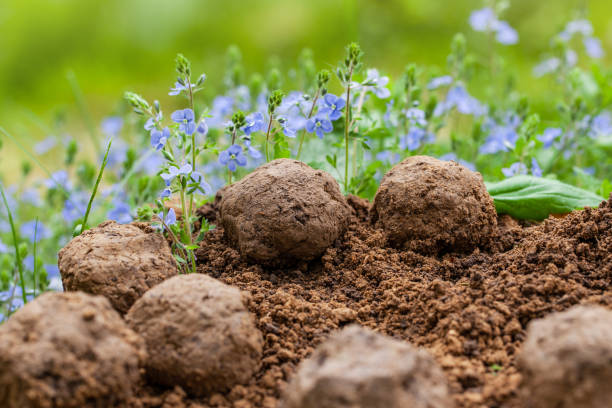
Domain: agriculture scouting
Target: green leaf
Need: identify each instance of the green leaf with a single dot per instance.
(534, 198)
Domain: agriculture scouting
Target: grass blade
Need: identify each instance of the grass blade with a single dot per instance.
(95, 189)
(16, 244)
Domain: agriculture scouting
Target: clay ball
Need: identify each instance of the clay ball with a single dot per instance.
(198, 333)
(69, 350)
(118, 261)
(566, 359)
(283, 212)
(431, 206)
(358, 368)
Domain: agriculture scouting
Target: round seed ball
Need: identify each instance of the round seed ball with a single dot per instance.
(358, 368)
(432, 206)
(68, 350)
(566, 359)
(283, 212)
(198, 333)
(118, 261)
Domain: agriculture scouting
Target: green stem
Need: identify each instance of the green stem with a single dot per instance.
(187, 229)
(268, 138)
(314, 103)
(35, 254)
(193, 147)
(95, 189)
(346, 130)
(16, 244)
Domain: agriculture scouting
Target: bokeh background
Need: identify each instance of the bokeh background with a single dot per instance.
(110, 46)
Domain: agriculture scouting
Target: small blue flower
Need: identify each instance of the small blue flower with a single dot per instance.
(202, 128)
(45, 145)
(178, 88)
(505, 34)
(151, 122)
(159, 138)
(546, 67)
(375, 83)
(415, 137)
(535, 168)
(593, 47)
(112, 125)
(185, 119)
(287, 126)
(319, 125)
(170, 218)
(75, 207)
(233, 157)
(332, 105)
(388, 156)
(460, 99)
(167, 192)
(3, 248)
(59, 178)
(549, 136)
(31, 196)
(253, 152)
(202, 186)
(483, 19)
(173, 171)
(601, 125)
(121, 213)
(255, 122)
(515, 169)
(416, 116)
(439, 82)
(581, 26)
(30, 229)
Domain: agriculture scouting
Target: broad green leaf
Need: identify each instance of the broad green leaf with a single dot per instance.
(534, 198)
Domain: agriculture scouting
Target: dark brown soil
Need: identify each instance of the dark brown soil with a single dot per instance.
(120, 262)
(470, 311)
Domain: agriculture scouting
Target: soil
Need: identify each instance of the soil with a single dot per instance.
(120, 262)
(82, 356)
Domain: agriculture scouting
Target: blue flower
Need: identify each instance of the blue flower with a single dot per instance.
(416, 116)
(31, 196)
(159, 138)
(59, 178)
(202, 186)
(287, 126)
(151, 122)
(460, 99)
(388, 156)
(75, 207)
(167, 192)
(546, 67)
(173, 171)
(255, 122)
(375, 83)
(185, 119)
(233, 157)
(178, 88)
(582, 26)
(505, 34)
(601, 125)
(332, 105)
(501, 136)
(45, 145)
(30, 229)
(54, 278)
(438, 82)
(221, 109)
(535, 168)
(549, 136)
(121, 213)
(3, 248)
(319, 125)
(483, 19)
(593, 47)
(112, 125)
(151, 162)
(202, 128)
(169, 219)
(514, 169)
(253, 152)
(415, 137)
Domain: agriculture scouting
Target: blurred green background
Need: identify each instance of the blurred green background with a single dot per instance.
(116, 45)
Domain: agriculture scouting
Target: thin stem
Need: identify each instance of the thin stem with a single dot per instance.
(16, 244)
(95, 189)
(268, 138)
(314, 103)
(355, 145)
(346, 129)
(35, 254)
(173, 236)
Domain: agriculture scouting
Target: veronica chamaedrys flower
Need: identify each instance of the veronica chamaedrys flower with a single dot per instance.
(31, 196)
(580, 26)
(233, 157)
(416, 116)
(185, 119)
(202, 186)
(439, 82)
(457, 97)
(255, 122)
(202, 128)
(546, 67)
(173, 171)
(253, 152)
(601, 125)
(178, 88)
(45, 145)
(112, 125)
(593, 47)
(166, 192)
(58, 179)
(319, 125)
(170, 218)
(549, 136)
(536, 170)
(414, 138)
(483, 19)
(3, 248)
(150, 123)
(159, 138)
(505, 34)
(332, 106)
(75, 207)
(515, 169)
(286, 125)
(30, 229)
(376, 84)
(120, 213)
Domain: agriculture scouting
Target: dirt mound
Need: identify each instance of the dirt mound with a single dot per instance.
(566, 358)
(360, 368)
(198, 333)
(120, 262)
(283, 212)
(68, 350)
(432, 206)
(469, 311)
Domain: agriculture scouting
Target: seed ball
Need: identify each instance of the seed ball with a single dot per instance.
(69, 350)
(198, 333)
(566, 359)
(118, 261)
(283, 212)
(431, 206)
(358, 368)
